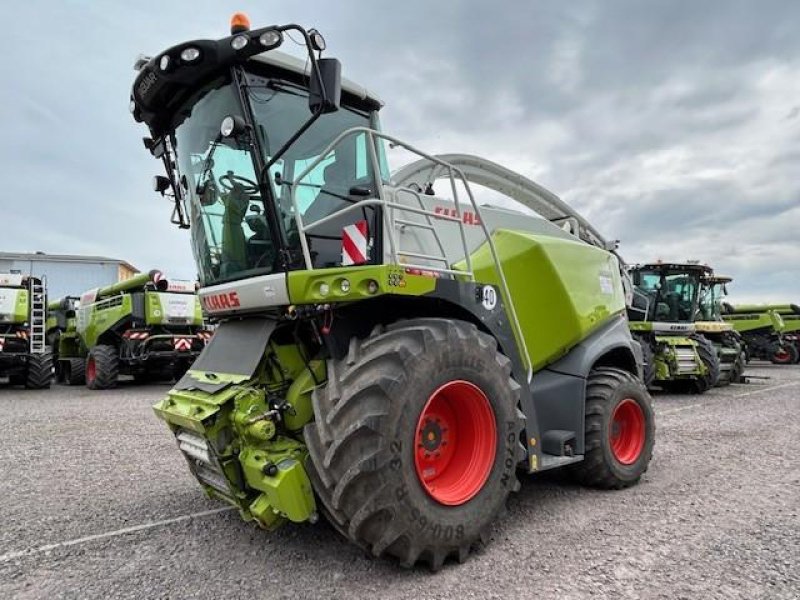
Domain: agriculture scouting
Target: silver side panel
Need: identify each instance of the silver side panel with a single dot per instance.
(247, 295)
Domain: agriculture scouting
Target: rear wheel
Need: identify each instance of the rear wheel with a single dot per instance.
(709, 358)
(102, 368)
(40, 371)
(416, 440)
(620, 430)
(74, 370)
(784, 355)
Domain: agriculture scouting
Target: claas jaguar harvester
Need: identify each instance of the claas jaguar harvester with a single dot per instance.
(144, 326)
(772, 331)
(709, 323)
(662, 318)
(24, 356)
(386, 357)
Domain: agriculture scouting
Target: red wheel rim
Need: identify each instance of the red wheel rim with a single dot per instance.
(91, 370)
(781, 355)
(455, 443)
(627, 431)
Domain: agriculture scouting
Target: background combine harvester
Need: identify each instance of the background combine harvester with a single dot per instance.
(379, 359)
(662, 317)
(772, 331)
(762, 330)
(24, 356)
(145, 326)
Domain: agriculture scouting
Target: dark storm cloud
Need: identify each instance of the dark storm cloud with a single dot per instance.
(672, 125)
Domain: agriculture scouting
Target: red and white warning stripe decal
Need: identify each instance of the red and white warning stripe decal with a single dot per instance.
(182, 344)
(354, 244)
(2, 343)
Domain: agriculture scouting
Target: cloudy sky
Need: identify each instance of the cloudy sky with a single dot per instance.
(673, 126)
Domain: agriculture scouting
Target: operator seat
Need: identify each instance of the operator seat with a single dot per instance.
(337, 183)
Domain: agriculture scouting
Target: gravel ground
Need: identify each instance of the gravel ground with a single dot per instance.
(716, 516)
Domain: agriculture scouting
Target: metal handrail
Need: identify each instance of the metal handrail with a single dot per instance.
(389, 226)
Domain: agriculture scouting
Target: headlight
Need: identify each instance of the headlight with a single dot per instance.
(190, 54)
(324, 289)
(345, 286)
(270, 39)
(239, 42)
(317, 40)
(226, 127)
(163, 62)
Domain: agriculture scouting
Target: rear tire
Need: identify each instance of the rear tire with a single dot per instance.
(620, 430)
(102, 368)
(372, 431)
(40, 371)
(74, 370)
(785, 355)
(708, 356)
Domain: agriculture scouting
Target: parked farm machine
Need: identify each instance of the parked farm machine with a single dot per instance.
(145, 326)
(382, 357)
(24, 355)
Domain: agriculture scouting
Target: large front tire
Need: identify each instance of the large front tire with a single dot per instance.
(619, 430)
(406, 397)
(709, 358)
(102, 368)
(39, 373)
(648, 360)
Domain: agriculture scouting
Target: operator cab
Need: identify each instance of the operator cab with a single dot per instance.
(666, 292)
(237, 125)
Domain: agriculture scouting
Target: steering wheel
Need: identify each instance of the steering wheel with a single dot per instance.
(230, 181)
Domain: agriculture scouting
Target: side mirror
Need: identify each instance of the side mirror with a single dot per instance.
(330, 71)
(160, 184)
(636, 277)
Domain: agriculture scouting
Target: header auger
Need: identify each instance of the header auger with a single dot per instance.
(381, 358)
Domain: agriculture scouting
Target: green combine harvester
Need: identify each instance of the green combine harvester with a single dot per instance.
(771, 331)
(709, 323)
(662, 318)
(387, 357)
(145, 326)
(24, 356)
(62, 332)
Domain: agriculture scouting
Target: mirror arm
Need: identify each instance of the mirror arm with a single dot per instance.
(277, 156)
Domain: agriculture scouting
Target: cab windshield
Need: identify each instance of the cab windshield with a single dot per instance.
(710, 307)
(669, 296)
(231, 234)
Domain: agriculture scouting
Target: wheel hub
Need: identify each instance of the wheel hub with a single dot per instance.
(455, 443)
(626, 431)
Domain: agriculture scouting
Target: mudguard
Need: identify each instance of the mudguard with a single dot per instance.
(236, 349)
